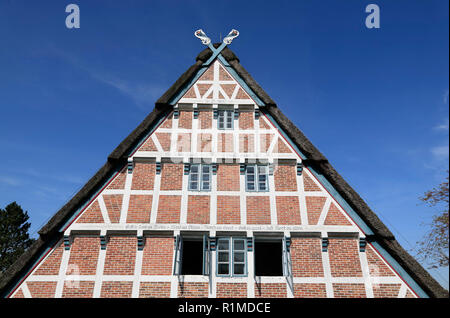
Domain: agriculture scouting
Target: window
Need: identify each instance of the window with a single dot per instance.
(257, 178)
(192, 256)
(268, 258)
(231, 257)
(200, 177)
(225, 119)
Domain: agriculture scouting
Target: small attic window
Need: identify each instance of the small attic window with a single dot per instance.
(225, 119)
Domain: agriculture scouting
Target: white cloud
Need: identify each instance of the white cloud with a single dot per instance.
(10, 181)
(440, 152)
(443, 126)
(445, 97)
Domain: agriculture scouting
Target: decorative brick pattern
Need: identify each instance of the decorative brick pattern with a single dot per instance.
(263, 124)
(306, 257)
(258, 210)
(309, 184)
(241, 94)
(310, 291)
(52, 263)
(344, 258)
(78, 289)
(288, 210)
(19, 294)
(205, 119)
(246, 120)
(208, 75)
(198, 209)
(120, 255)
(116, 290)
(349, 291)
(335, 217)
(119, 180)
(225, 142)
(285, 178)
(228, 89)
(92, 214)
(265, 140)
(143, 176)
(270, 290)
(169, 209)
(386, 290)
(164, 140)
(314, 207)
(113, 203)
(231, 290)
(377, 267)
(246, 143)
(228, 177)
(281, 147)
(154, 290)
(203, 88)
(172, 176)
(185, 120)
(42, 289)
(84, 252)
(157, 256)
(228, 210)
(204, 142)
(139, 209)
(193, 290)
(223, 75)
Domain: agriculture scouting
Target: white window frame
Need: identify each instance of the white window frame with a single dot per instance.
(200, 177)
(256, 181)
(223, 115)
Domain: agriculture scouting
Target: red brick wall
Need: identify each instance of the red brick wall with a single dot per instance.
(335, 217)
(228, 210)
(164, 140)
(143, 176)
(376, 265)
(386, 290)
(288, 210)
(172, 176)
(310, 291)
(185, 120)
(42, 289)
(116, 290)
(169, 209)
(225, 142)
(272, 290)
(204, 142)
(193, 290)
(309, 184)
(344, 258)
(113, 203)
(263, 124)
(314, 207)
(349, 291)
(81, 289)
(198, 211)
(119, 180)
(246, 143)
(228, 177)
(120, 255)
(281, 147)
(148, 145)
(92, 214)
(258, 210)
(184, 142)
(167, 122)
(52, 263)
(231, 290)
(205, 119)
(154, 290)
(246, 120)
(265, 140)
(139, 209)
(157, 256)
(285, 178)
(84, 255)
(18, 294)
(306, 257)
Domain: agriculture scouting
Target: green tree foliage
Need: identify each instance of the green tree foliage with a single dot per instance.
(14, 237)
(434, 246)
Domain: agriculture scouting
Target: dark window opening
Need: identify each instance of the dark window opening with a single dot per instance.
(268, 258)
(192, 260)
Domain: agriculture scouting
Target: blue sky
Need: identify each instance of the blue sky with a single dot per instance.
(374, 101)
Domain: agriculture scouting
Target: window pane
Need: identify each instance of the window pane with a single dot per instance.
(239, 245)
(223, 269)
(194, 177)
(223, 257)
(205, 186)
(250, 170)
(194, 168)
(205, 169)
(239, 269)
(262, 187)
(250, 186)
(193, 186)
(239, 257)
(223, 245)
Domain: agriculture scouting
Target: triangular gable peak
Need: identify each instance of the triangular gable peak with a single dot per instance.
(216, 86)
